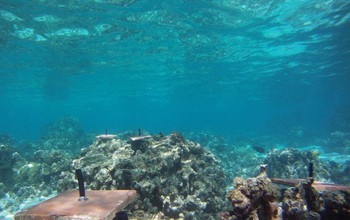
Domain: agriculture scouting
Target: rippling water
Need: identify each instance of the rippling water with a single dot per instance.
(233, 66)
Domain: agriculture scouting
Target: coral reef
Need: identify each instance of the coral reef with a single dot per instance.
(171, 174)
(29, 172)
(25, 180)
(6, 140)
(301, 202)
(258, 199)
(10, 161)
(237, 159)
(45, 171)
(253, 198)
(175, 177)
(336, 205)
(65, 134)
(291, 163)
(304, 202)
(22, 182)
(339, 172)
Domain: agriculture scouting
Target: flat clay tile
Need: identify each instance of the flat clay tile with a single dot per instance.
(101, 205)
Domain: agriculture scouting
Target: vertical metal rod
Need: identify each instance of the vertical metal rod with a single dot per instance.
(311, 173)
(140, 132)
(80, 178)
(311, 170)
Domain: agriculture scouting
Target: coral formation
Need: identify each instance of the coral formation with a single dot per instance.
(290, 163)
(20, 180)
(10, 161)
(237, 159)
(175, 177)
(65, 134)
(253, 198)
(304, 202)
(339, 172)
(51, 156)
(336, 204)
(257, 199)
(45, 171)
(301, 202)
(26, 183)
(172, 175)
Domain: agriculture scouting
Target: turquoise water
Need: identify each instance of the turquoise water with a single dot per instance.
(241, 77)
(233, 67)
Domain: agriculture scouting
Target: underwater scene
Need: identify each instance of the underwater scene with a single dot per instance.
(208, 109)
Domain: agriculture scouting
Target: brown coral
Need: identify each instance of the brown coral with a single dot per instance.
(253, 199)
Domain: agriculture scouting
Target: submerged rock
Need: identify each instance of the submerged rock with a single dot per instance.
(171, 174)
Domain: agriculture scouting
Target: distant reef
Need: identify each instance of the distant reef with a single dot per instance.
(65, 134)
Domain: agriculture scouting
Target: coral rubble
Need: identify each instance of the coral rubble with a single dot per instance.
(171, 174)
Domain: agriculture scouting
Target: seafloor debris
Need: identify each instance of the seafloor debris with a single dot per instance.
(172, 175)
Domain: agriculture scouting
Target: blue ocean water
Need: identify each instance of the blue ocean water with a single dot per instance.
(235, 67)
(231, 68)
